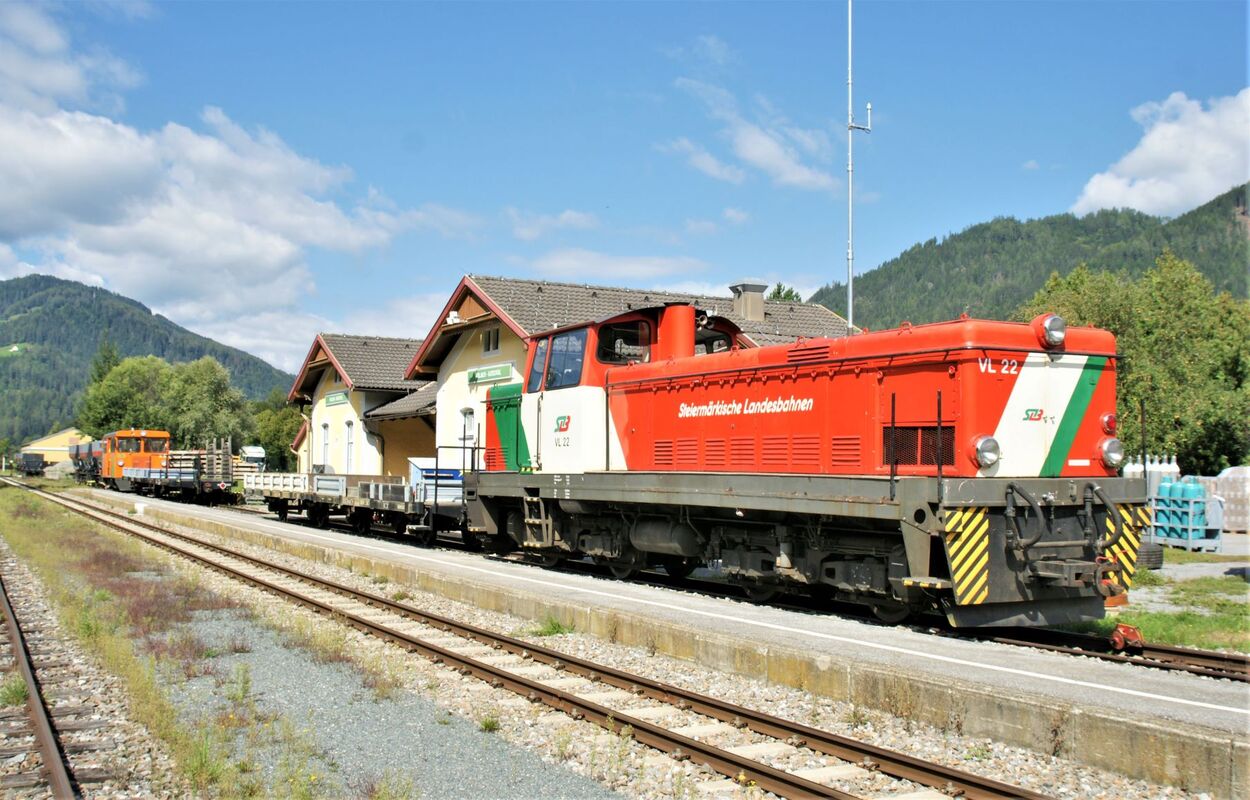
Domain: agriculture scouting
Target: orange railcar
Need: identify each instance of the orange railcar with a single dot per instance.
(132, 448)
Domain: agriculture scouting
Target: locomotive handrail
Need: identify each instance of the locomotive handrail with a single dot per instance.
(610, 384)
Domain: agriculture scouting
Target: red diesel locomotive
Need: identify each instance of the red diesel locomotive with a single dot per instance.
(967, 466)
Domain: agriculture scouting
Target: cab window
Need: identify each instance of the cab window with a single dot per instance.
(624, 342)
(535, 381)
(567, 353)
(157, 445)
(129, 445)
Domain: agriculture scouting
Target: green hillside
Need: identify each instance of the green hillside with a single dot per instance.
(50, 329)
(989, 269)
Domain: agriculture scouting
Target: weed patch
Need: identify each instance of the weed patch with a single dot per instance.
(551, 627)
(13, 691)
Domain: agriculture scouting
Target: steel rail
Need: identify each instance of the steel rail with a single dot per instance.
(49, 744)
(896, 765)
(1206, 663)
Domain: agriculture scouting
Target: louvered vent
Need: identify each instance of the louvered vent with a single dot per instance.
(846, 451)
(805, 451)
(742, 451)
(664, 452)
(775, 451)
(687, 453)
(809, 354)
(714, 453)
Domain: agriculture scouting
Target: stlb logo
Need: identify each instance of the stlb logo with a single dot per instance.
(562, 424)
(1033, 415)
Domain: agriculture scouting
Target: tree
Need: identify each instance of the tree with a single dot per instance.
(203, 406)
(105, 359)
(276, 426)
(131, 395)
(1185, 352)
(784, 293)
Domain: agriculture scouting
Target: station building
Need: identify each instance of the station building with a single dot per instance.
(341, 381)
(481, 337)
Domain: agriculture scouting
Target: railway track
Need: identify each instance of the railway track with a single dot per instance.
(729, 739)
(1123, 646)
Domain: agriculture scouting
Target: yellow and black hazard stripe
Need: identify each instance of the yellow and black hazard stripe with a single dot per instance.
(1136, 521)
(968, 548)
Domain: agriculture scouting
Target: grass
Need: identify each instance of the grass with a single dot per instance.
(1215, 615)
(488, 723)
(551, 627)
(1176, 555)
(13, 691)
(130, 625)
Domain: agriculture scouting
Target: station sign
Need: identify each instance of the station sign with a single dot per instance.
(336, 398)
(495, 372)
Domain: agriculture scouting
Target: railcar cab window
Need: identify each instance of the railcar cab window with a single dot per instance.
(535, 381)
(563, 363)
(129, 445)
(624, 342)
(711, 342)
(157, 445)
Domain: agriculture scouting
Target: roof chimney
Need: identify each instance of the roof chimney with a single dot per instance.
(749, 300)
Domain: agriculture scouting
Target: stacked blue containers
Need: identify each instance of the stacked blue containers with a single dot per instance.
(1163, 508)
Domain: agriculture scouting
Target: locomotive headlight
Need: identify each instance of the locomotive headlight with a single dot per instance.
(985, 450)
(1112, 451)
(1053, 330)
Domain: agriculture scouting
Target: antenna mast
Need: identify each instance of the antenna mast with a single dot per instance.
(851, 127)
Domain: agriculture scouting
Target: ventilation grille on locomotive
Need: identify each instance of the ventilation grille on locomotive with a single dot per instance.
(917, 446)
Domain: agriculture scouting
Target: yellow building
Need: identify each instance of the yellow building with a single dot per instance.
(342, 379)
(55, 446)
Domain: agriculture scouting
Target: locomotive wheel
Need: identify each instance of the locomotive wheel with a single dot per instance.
(760, 592)
(550, 560)
(622, 570)
(679, 567)
(891, 613)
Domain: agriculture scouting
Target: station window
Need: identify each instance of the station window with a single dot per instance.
(535, 381)
(325, 443)
(568, 350)
(349, 440)
(624, 342)
(490, 341)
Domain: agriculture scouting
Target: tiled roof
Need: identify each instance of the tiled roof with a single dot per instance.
(374, 362)
(418, 403)
(542, 305)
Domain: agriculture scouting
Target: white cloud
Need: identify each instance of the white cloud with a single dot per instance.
(1188, 154)
(410, 317)
(696, 287)
(1031, 164)
(39, 70)
(209, 225)
(712, 49)
(735, 216)
(604, 268)
(529, 227)
(703, 161)
(771, 145)
(701, 227)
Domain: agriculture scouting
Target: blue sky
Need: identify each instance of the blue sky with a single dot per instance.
(258, 172)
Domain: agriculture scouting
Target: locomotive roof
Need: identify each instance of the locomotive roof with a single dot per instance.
(364, 362)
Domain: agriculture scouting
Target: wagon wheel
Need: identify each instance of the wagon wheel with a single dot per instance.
(679, 567)
(399, 524)
(282, 514)
(425, 536)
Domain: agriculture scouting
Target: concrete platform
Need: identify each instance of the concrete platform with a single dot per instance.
(1171, 728)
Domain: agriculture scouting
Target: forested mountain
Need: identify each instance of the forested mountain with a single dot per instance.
(50, 329)
(990, 269)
